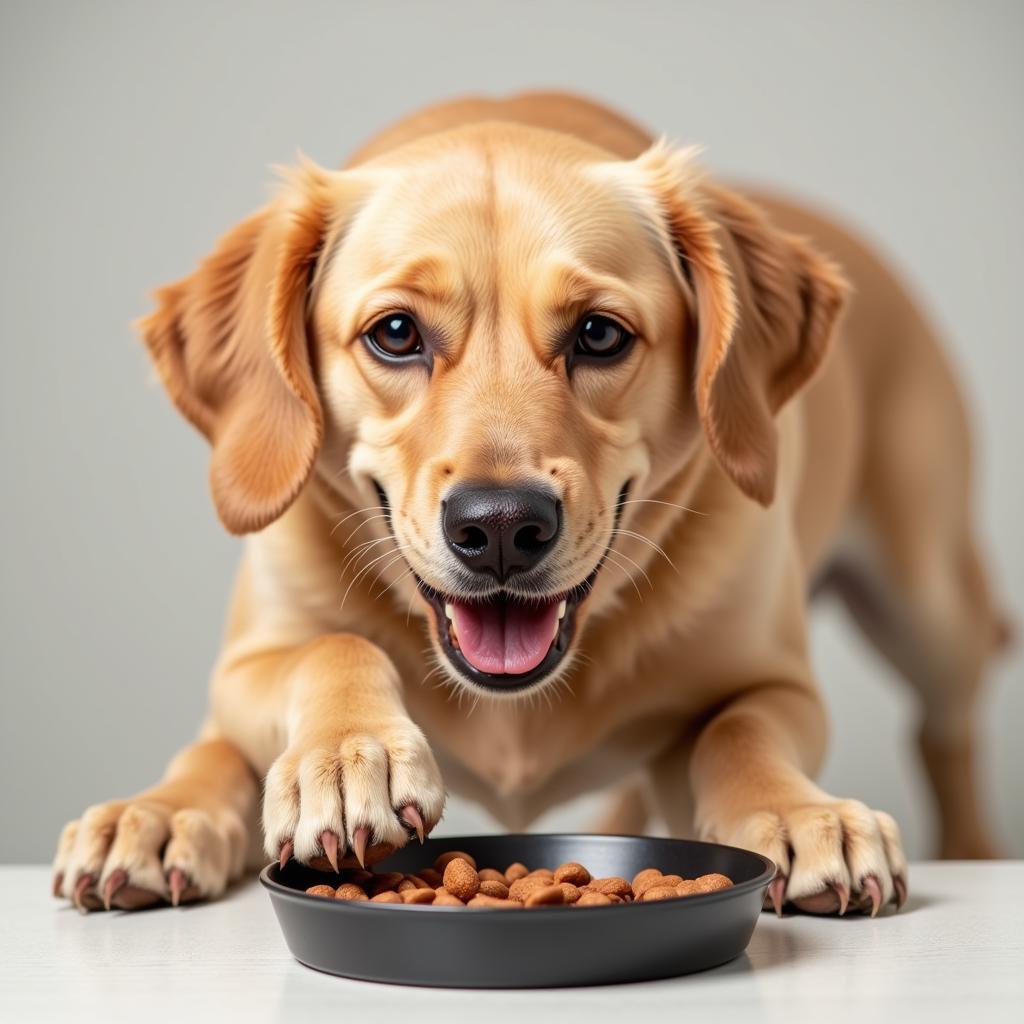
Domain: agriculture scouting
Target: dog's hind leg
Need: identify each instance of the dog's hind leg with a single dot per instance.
(914, 582)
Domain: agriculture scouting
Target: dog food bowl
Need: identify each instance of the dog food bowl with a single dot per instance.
(495, 948)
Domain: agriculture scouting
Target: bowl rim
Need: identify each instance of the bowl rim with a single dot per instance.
(768, 872)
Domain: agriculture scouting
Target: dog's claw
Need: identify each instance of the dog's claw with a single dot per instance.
(411, 814)
(329, 841)
(777, 893)
(58, 884)
(900, 886)
(177, 882)
(360, 838)
(843, 893)
(115, 882)
(874, 890)
(82, 886)
(284, 854)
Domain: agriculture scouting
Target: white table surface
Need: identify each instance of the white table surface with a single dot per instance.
(955, 952)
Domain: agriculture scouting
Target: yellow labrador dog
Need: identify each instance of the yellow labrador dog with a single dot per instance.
(522, 407)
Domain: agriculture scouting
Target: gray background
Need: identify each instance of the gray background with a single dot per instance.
(134, 134)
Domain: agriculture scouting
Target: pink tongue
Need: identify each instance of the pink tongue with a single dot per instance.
(505, 638)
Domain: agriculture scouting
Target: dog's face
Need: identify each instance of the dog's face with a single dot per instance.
(502, 362)
(505, 340)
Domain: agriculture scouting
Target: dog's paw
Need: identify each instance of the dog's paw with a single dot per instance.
(130, 854)
(352, 799)
(831, 855)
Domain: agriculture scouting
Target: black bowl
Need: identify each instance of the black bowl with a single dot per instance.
(484, 948)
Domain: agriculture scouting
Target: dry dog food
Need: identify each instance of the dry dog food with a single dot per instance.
(456, 881)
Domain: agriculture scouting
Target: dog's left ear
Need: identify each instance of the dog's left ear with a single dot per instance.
(230, 345)
(767, 305)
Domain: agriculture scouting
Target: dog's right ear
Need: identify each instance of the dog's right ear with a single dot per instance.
(765, 307)
(231, 348)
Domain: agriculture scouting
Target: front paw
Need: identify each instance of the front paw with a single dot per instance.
(830, 853)
(355, 796)
(131, 854)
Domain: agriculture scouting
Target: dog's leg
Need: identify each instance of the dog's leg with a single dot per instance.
(184, 839)
(750, 777)
(350, 769)
(927, 609)
(911, 575)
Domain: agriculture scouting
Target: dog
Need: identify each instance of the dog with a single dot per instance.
(521, 406)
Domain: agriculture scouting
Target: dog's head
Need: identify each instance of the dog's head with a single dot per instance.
(504, 340)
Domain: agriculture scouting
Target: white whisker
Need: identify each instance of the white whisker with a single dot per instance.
(404, 576)
(366, 568)
(362, 524)
(361, 549)
(625, 572)
(639, 568)
(358, 511)
(646, 540)
(655, 501)
(383, 569)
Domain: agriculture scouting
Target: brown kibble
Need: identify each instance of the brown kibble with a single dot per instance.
(648, 883)
(388, 880)
(455, 881)
(496, 889)
(489, 901)
(642, 879)
(357, 877)
(418, 896)
(348, 891)
(548, 896)
(373, 854)
(461, 879)
(659, 892)
(322, 890)
(593, 899)
(522, 887)
(445, 859)
(572, 872)
(492, 875)
(570, 891)
(665, 881)
(612, 886)
(515, 871)
(445, 899)
(713, 882)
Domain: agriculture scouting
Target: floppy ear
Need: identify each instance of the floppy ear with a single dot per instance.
(230, 345)
(766, 308)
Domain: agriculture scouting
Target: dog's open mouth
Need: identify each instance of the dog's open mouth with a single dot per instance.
(504, 641)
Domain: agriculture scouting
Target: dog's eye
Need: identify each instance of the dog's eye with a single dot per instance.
(395, 336)
(601, 337)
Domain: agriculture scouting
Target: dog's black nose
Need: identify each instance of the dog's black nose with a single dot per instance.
(501, 530)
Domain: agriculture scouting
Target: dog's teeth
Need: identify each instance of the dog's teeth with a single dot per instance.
(561, 609)
(449, 611)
